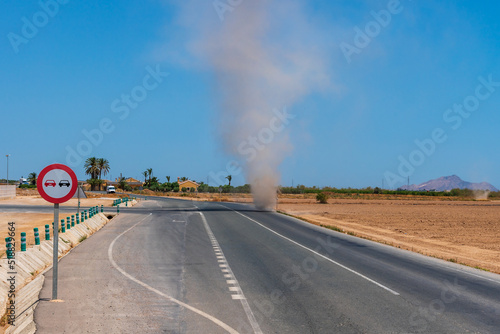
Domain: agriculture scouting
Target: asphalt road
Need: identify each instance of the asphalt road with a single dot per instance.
(171, 266)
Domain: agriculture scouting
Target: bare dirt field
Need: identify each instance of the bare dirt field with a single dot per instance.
(466, 232)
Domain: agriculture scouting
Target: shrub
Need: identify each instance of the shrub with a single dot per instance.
(322, 198)
(27, 186)
(155, 187)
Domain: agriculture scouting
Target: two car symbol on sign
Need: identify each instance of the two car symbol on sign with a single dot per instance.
(52, 183)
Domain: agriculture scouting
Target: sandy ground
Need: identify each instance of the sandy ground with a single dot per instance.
(466, 232)
(25, 222)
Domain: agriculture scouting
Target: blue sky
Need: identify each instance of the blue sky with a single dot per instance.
(394, 91)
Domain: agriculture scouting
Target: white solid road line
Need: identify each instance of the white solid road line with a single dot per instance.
(231, 279)
(475, 275)
(316, 253)
(124, 273)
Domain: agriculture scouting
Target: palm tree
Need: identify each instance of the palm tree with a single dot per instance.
(93, 183)
(145, 173)
(103, 167)
(92, 169)
(122, 183)
(184, 178)
(168, 179)
(229, 178)
(150, 173)
(32, 178)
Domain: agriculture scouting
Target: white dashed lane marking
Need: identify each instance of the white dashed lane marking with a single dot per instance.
(158, 292)
(233, 285)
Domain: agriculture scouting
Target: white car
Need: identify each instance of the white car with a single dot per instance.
(111, 189)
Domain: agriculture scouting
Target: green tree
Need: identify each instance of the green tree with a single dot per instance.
(154, 181)
(229, 178)
(93, 183)
(150, 173)
(122, 184)
(145, 173)
(32, 178)
(184, 178)
(96, 167)
(103, 167)
(203, 188)
(92, 169)
(168, 179)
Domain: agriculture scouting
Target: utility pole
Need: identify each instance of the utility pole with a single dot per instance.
(8, 155)
(78, 189)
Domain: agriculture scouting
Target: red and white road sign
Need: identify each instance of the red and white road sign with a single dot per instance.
(57, 183)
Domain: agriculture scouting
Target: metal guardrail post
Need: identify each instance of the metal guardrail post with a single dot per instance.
(37, 236)
(23, 241)
(10, 251)
(47, 232)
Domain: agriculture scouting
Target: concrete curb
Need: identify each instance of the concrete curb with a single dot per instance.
(28, 298)
(28, 267)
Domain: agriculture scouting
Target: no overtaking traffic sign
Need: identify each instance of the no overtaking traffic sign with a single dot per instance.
(57, 183)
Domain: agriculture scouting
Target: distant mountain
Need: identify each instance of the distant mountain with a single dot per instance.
(448, 183)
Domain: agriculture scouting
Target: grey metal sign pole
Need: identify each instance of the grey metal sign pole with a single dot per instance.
(56, 251)
(78, 190)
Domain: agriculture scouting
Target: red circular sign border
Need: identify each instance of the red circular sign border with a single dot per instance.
(39, 183)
